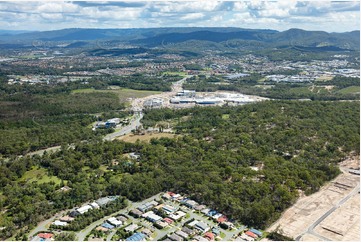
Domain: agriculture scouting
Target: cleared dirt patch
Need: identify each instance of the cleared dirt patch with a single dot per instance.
(146, 137)
(342, 224)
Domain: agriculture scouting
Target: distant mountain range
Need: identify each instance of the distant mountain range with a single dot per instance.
(157, 37)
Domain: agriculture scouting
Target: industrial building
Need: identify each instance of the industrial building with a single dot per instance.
(153, 103)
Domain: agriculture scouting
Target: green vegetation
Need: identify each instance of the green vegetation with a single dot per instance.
(82, 221)
(64, 236)
(295, 145)
(123, 93)
(350, 90)
(40, 176)
(34, 121)
(334, 89)
(140, 82)
(275, 236)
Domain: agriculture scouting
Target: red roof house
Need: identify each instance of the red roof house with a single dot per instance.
(209, 236)
(222, 219)
(168, 220)
(45, 235)
(253, 235)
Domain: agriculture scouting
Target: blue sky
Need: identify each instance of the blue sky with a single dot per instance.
(330, 16)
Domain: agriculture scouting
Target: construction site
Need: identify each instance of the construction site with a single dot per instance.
(333, 213)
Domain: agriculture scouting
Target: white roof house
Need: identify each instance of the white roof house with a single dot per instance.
(59, 223)
(115, 222)
(131, 228)
(84, 209)
(177, 215)
(94, 205)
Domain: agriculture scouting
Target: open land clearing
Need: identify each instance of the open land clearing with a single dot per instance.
(333, 213)
(146, 137)
(124, 94)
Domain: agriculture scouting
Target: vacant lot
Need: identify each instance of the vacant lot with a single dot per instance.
(342, 224)
(350, 90)
(124, 94)
(39, 175)
(146, 137)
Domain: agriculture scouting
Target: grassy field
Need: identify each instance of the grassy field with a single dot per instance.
(350, 90)
(174, 73)
(39, 175)
(122, 93)
(324, 78)
(225, 116)
(147, 137)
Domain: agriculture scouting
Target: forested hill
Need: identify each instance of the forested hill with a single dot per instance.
(294, 145)
(155, 37)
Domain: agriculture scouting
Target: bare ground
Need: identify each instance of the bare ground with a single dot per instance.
(343, 224)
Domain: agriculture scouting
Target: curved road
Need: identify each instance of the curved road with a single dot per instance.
(324, 216)
(135, 122)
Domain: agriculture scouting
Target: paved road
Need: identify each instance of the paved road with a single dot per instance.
(324, 216)
(83, 233)
(134, 123)
(44, 226)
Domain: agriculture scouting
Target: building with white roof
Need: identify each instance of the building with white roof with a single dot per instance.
(84, 209)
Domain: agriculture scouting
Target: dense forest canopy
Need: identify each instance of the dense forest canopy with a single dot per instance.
(295, 147)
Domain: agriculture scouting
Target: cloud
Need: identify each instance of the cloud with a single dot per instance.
(192, 16)
(280, 15)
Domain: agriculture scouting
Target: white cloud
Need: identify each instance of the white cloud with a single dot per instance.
(279, 15)
(192, 16)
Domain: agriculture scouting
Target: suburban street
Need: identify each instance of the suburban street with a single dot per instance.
(159, 233)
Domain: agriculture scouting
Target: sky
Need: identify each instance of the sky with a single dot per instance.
(330, 16)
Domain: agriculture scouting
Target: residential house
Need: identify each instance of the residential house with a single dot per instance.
(122, 218)
(209, 236)
(136, 213)
(188, 231)
(160, 224)
(84, 209)
(107, 225)
(45, 236)
(193, 223)
(257, 232)
(166, 196)
(227, 225)
(168, 220)
(131, 228)
(191, 203)
(66, 219)
(202, 227)
(100, 228)
(216, 231)
(169, 209)
(182, 234)
(94, 205)
(199, 207)
(251, 234)
(175, 237)
(115, 222)
(199, 238)
(147, 232)
(205, 211)
(154, 218)
(177, 215)
(59, 223)
(104, 201)
(136, 237)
